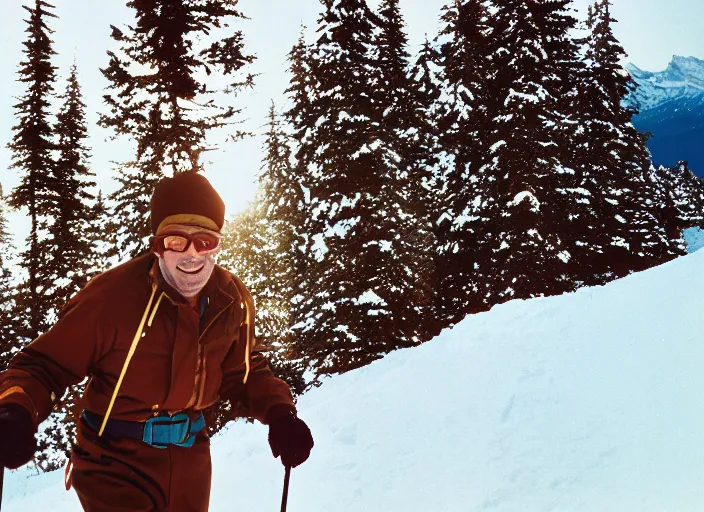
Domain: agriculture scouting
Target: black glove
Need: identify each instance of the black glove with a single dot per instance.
(17, 441)
(290, 437)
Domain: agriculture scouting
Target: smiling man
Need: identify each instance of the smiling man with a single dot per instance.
(162, 337)
(186, 257)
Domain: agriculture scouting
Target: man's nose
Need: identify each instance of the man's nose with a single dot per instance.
(191, 251)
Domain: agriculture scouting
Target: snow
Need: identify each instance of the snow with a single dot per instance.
(694, 238)
(385, 246)
(366, 148)
(620, 242)
(319, 248)
(535, 204)
(345, 329)
(589, 401)
(369, 297)
(341, 228)
(497, 145)
(527, 97)
(463, 219)
(579, 190)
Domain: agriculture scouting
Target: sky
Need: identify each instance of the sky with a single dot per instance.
(589, 401)
(650, 30)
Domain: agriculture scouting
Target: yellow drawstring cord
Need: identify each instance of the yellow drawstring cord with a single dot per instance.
(248, 341)
(248, 305)
(133, 347)
(151, 317)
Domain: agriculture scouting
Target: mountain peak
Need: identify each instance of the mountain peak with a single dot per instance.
(683, 78)
(679, 59)
(688, 69)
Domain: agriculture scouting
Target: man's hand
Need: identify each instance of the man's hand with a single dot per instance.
(17, 441)
(290, 437)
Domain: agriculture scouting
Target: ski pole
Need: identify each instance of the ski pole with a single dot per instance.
(284, 498)
(2, 477)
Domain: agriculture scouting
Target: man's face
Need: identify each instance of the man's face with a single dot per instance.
(187, 272)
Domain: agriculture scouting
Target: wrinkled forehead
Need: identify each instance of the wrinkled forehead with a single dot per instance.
(188, 229)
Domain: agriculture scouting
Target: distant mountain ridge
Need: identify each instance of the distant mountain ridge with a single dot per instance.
(682, 79)
(671, 106)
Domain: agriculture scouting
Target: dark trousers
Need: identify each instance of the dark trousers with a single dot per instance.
(111, 475)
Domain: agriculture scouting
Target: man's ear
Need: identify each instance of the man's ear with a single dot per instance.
(152, 246)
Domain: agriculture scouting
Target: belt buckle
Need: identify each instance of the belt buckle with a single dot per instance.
(160, 431)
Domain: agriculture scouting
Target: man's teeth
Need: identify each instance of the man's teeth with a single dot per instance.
(191, 271)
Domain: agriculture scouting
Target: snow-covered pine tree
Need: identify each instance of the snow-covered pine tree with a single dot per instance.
(620, 227)
(8, 339)
(406, 138)
(100, 233)
(240, 254)
(649, 241)
(684, 198)
(161, 94)
(523, 181)
(287, 191)
(251, 251)
(427, 86)
(462, 53)
(590, 262)
(71, 262)
(259, 246)
(280, 208)
(32, 145)
(292, 187)
(348, 310)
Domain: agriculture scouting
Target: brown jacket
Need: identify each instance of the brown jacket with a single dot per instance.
(129, 327)
(169, 370)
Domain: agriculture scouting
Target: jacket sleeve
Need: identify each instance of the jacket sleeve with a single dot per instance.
(39, 374)
(263, 396)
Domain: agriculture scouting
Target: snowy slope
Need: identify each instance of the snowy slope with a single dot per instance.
(586, 402)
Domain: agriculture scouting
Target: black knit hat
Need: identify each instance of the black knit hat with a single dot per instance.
(187, 198)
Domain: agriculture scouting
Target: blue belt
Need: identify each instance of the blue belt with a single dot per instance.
(159, 431)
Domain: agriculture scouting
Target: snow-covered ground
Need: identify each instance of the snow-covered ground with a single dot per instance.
(591, 401)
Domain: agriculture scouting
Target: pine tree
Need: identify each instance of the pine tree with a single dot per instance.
(100, 231)
(279, 208)
(249, 250)
(349, 308)
(68, 252)
(32, 145)
(683, 206)
(620, 227)
(258, 247)
(462, 53)
(8, 341)
(169, 108)
(525, 199)
(427, 86)
(406, 139)
(71, 260)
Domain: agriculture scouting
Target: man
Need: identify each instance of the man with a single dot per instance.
(162, 337)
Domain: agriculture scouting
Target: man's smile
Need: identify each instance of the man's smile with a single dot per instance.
(191, 271)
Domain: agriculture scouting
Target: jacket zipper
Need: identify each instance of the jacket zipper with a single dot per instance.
(199, 385)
